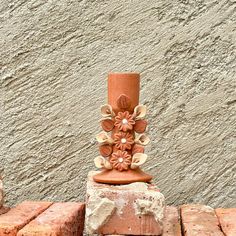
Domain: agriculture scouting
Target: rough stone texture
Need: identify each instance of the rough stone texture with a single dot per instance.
(60, 219)
(55, 56)
(199, 220)
(99, 213)
(131, 209)
(16, 218)
(227, 219)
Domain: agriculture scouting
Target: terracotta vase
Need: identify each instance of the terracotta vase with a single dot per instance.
(121, 148)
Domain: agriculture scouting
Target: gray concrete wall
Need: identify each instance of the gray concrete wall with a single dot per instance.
(54, 59)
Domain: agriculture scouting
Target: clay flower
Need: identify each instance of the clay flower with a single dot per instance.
(101, 162)
(142, 139)
(124, 121)
(106, 111)
(139, 112)
(137, 160)
(123, 140)
(104, 138)
(120, 160)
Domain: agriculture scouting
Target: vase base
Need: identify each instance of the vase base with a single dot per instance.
(121, 177)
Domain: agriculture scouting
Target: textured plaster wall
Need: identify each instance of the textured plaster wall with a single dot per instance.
(54, 59)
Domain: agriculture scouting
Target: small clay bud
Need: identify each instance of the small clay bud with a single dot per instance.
(123, 102)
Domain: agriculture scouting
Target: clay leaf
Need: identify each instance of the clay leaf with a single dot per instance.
(140, 126)
(105, 150)
(123, 102)
(107, 124)
(137, 149)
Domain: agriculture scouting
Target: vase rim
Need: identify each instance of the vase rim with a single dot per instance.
(123, 73)
(127, 75)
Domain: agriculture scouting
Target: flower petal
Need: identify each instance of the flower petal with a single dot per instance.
(142, 139)
(124, 166)
(101, 162)
(138, 159)
(103, 137)
(140, 112)
(106, 111)
(107, 165)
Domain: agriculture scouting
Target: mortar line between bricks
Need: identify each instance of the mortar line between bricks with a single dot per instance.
(33, 218)
(219, 225)
(181, 222)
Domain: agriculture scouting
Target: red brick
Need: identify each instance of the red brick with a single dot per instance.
(227, 219)
(171, 224)
(16, 218)
(199, 220)
(60, 219)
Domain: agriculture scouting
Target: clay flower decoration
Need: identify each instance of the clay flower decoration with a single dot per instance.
(107, 121)
(124, 121)
(138, 159)
(120, 160)
(140, 112)
(106, 111)
(113, 148)
(123, 140)
(101, 162)
(142, 139)
(104, 138)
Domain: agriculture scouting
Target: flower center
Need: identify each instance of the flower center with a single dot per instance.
(123, 140)
(124, 121)
(120, 159)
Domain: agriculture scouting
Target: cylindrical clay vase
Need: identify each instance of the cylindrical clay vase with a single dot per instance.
(128, 84)
(126, 122)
